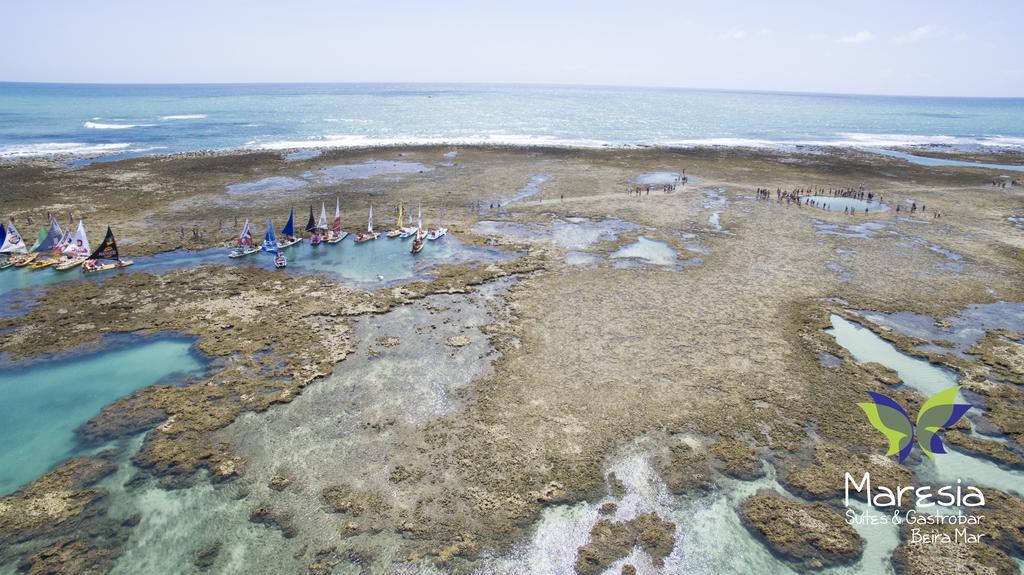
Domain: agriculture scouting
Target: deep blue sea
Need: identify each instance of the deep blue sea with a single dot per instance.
(46, 119)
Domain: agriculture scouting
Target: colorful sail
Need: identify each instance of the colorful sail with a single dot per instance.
(269, 241)
(369, 223)
(288, 230)
(42, 243)
(13, 242)
(322, 224)
(78, 245)
(245, 238)
(107, 249)
(311, 222)
(336, 226)
(3, 234)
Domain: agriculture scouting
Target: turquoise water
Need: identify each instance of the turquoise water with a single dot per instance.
(379, 261)
(355, 264)
(865, 347)
(44, 403)
(926, 161)
(42, 119)
(946, 468)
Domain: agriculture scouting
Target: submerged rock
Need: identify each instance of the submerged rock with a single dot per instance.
(206, 556)
(686, 470)
(283, 522)
(610, 542)
(808, 536)
(737, 459)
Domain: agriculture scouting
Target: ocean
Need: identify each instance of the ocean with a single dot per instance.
(129, 120)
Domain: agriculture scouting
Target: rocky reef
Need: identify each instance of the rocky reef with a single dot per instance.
(808, 536)
(611, 541)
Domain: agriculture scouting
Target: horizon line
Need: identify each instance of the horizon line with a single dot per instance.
(511, 84)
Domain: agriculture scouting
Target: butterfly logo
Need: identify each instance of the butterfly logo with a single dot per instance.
(938, 412)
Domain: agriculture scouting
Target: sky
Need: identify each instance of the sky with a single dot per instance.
(936, 48)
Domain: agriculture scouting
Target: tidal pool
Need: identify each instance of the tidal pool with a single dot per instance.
(405, 372)
(838, 204)
(866, 346)
(649, 251)
(366, 170)
(946, 468)
(962, 330)
(44, 403)
(379, 262)
(926, 161)
(658, 178)
(268, 184)
(532, 188)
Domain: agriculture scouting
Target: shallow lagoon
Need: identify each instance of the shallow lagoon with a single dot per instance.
(837, 204)
(355, 264)
(44, 403)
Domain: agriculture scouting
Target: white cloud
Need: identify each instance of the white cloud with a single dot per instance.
(920, 33)
(858, 38)
(734, 34)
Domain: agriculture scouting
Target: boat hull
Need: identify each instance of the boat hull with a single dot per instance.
(70, 263)
(40, 263)
(337, 238)
(365, 237)
(282, 244)
(104, 267)
(240, 253)
(437, 234)
(23, 260)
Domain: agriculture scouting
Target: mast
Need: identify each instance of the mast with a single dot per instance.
(369, 223)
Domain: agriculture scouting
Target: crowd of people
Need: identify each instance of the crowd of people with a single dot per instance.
(817, 197)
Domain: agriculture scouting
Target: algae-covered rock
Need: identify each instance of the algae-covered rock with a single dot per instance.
(808, 536)
(610, 542)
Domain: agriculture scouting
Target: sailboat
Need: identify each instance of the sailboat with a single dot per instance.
(107, 250)
(397, 231)
(76, 249)
(439, 231)
(245, 244)
(369, 234)
(321, 232)
(288, 237)
(336, 235)
(314, 238)
(417, 241)
(408, 230)
(13, 245)
(271, 246)
(46, 242)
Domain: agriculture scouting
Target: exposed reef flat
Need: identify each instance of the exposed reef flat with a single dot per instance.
(579, 359)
